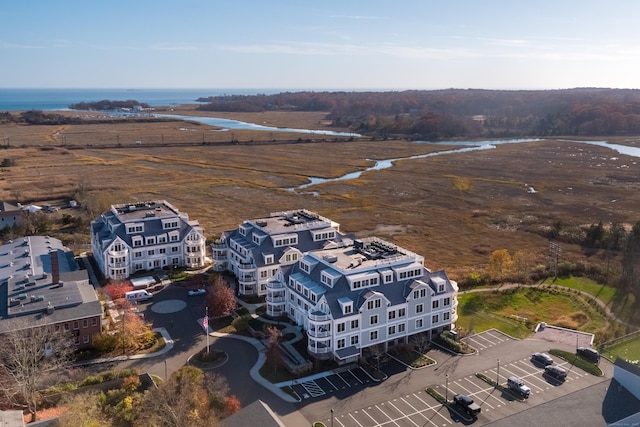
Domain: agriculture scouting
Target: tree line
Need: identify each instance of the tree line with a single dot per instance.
(455, 113)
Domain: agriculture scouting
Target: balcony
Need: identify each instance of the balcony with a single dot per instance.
(319, 333)
(274, 286)
(319, 351)
(219, 246)
(318, 316)
(275, 299)
(118, 264)
(121, 253)
(274, 311)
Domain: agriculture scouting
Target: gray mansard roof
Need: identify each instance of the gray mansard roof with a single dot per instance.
(300, 222)
(150, 213)
(40, 280)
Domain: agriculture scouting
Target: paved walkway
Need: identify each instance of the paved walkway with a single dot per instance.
(168, 346)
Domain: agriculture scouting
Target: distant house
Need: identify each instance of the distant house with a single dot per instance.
(40, 283)
(146, 236)
(10, 215)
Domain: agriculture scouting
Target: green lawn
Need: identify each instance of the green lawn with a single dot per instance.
(628, 350)
(480, 311)
(603, 292)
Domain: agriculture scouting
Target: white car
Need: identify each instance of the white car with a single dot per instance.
(195, 292)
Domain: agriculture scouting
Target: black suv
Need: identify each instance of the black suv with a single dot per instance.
(589, 354)
(556, 372)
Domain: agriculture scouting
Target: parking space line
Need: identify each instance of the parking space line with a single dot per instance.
(354, 419)
(403, 415)
(332, 384)
(354, 376)
(418, 411)
(313, 388)
(374, 420)
(433, 408)
(343, 380)
(386, 415)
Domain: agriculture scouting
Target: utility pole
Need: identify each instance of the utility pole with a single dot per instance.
(446, 390)
(554, 254)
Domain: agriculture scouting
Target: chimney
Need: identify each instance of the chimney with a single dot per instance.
(55, 267)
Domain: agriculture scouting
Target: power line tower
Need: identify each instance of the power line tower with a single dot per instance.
(554, 257)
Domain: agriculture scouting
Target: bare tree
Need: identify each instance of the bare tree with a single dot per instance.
(31, 355)
(420, 342)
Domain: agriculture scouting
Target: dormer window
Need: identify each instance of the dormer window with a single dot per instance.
(346, 304)
(268, 259)
(169, 224)
(305, 267)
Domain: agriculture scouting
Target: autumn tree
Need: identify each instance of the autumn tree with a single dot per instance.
(82, 410)
(220, 300)
(32, 354)
(182, 400)
(500, 265)
(133, 330)
(273, 350)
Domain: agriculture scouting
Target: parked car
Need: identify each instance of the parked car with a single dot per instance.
(195, 292)
(589, 354)
(542, 358)
(517, 385)
(467, 404)
(556, 372)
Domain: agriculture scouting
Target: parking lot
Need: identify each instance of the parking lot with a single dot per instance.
(418, 408)
(317, 387)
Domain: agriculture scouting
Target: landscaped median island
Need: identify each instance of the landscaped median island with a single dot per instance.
(578, 361)
(450, 405)
(208, 359)
(500, 387)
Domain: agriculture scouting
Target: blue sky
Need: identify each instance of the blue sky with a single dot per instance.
(320, 45)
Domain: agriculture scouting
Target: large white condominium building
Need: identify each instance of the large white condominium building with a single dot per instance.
(257, 248)
(355, 294)
(145, 236)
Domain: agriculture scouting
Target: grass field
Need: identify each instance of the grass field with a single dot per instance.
(517, 311)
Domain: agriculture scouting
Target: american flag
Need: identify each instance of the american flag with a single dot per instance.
(205, 323)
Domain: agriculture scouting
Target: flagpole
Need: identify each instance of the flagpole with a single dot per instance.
(206, 316)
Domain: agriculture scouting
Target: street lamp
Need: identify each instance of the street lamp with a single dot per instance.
(498, 374)
(124, 349)
(331, 417)
(446, 390)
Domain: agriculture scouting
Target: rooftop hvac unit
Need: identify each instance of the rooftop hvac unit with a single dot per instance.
(50, 309)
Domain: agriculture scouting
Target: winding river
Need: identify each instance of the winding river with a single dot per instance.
(227, 124)
(387, 163)
(467, 146)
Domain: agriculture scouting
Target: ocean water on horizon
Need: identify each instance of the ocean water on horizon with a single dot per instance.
(60, 99)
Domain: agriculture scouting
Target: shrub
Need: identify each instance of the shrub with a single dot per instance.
(241, 323)
(105, 343)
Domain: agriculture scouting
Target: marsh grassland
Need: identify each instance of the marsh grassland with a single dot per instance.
(453, 209)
